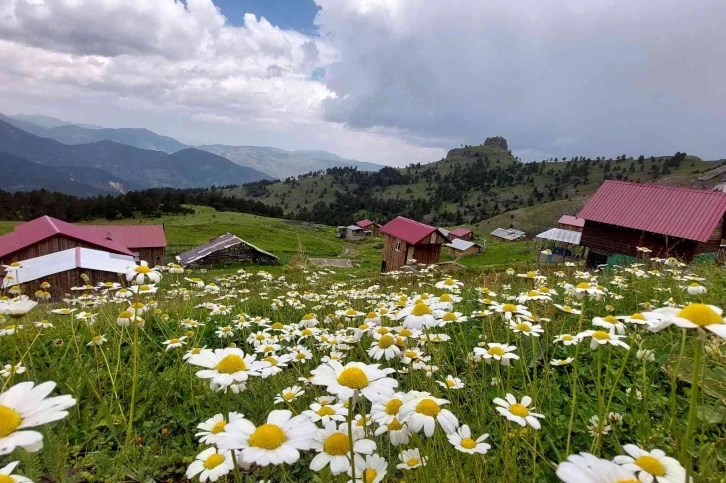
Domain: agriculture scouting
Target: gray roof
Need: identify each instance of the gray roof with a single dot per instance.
(558, 234)
(353, 227)
(507, 233)
(220, 243)
(461, 245)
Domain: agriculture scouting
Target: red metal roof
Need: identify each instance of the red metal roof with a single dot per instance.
(44, 227)
(130, 236)
(680, 212)
(407, 230)
(364, 223)
(572, 221)
(460, 232)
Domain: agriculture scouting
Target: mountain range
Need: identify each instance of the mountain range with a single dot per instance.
(257, 162)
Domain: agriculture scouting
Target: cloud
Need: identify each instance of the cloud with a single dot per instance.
(607, 76)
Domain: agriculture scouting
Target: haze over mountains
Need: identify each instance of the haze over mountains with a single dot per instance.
(131, 158)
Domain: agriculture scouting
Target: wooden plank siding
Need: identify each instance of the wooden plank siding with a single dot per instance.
(44, 247)
(154, 256)
(61, 282)
(393, 259)
(426, 252)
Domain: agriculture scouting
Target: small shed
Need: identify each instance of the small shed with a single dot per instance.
(354, 233)
(569, 222)
(669, 220)
(147, 242)
(507, 234)
(63, 270)
(227, 248)
(461, 234)
(368, 225)
(463, 248)
(407, 239)
(563, 244)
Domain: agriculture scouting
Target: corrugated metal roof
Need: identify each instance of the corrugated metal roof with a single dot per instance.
(508, 233)
(220, 243)
(353, 228)
(407, 230)
(364, 223)
(460, 232)
(131, 236)
(572, 221)
(669, 210)
(558, 234)
(39, 267)
(459, 244)
(44, 227)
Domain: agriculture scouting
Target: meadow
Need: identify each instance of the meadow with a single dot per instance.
(476, 375)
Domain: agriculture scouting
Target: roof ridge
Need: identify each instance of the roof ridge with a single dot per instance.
(52, 223)
(664, 186)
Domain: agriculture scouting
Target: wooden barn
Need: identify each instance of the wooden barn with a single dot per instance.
(572, 223)
(63, 270)
(669, 220)
(408, 239)
(147, 242)
(368, 225)
(227, 248)
(46, 235)
(461, 234)
(463, 248)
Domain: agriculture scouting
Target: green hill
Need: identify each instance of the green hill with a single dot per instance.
(470, 185)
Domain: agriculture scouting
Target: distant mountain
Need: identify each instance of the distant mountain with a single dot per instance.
(19, 174)
(50, 122)
(76, 134)
(281, 164)
(124, 164)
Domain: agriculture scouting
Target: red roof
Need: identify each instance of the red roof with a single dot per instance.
(680, 212)
(130, 236)
(407, 230)
(364, 223)
(44, 227)
(572, 221)
(460, 232)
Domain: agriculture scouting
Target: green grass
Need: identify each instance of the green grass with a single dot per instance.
(7, 226)
(90, 445)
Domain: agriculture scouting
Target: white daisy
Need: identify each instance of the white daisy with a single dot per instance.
(462, 441)
(372, 469)
(652, 465)
(384, 346)
(499, 352)
(289, 394)
(327, 413)
(417, 316)
(212, 428)
(7, 477)
(333, 445)
(519, 413)
(420, 410)
(451, 382)
(692, 316)
(587, 468)
(225, 367)
(411, 459)
(344, 381)
(211, 465)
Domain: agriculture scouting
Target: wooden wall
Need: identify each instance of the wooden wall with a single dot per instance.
(427, 254)
(394, 259)
(565, 226)
(49, 245)
(154, 256)
(61, 283)
(238, 253)
(464, 253)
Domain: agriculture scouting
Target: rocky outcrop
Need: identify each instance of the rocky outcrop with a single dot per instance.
(497, 142)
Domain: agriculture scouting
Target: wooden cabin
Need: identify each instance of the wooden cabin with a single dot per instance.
(507, 234)
(63, 270)
(368, 225)
(147, 242)
(463, 248)
(406, 239)
(354, 233)
(569, 222)
(461, 234)
(227, 248)
(669, 220)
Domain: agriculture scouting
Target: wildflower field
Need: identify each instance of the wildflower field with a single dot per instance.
(613, 376)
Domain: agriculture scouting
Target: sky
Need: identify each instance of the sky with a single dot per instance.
(388, 81)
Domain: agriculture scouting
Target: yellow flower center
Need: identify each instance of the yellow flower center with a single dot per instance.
(288, 396)
(363, 327)
(393, 406)
(144, 288)
(509, 308)
(300, 356)
(496, 351)
(231, 364)
(326, 411)
(386, 341)
(567, 308)
(219, 427)
(524, 327)
(544, 290)
(531, 274)
(395, 425)
(449, 317)
(700, 314)
(269, 348)
(413, 462)
(627, 481)
(637, 316)
(175, 340)
(468, 443)
(533, 293)
(308, 316)
(445, 298)
(567, 337)
(213, 461)
(369, 475)
(277, 325)
(351, 313)
(9, 420)
(354, 378)
(420, 309)
(601, 335)
(337, 444)
(449, 282)
(450, 382)
(97, 339)
(429, 407)
(371, 315)
(197, 350)
(260, 337)
(268, 436)
(519, 410)
(411, 354)
(406, 333)
(6, 479)
(583, 286)
(306, 332)
(142, 269)
(610, 319)
(382, 330)
(651, 465)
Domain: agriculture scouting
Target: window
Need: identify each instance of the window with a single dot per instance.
(397, 246)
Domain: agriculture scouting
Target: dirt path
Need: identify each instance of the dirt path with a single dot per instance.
(332, 262)
(351, 252)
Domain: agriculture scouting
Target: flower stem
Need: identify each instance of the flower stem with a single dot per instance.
(674, 381)
(351, 404)
(695, 383)
(134, 377)
(575, 374)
